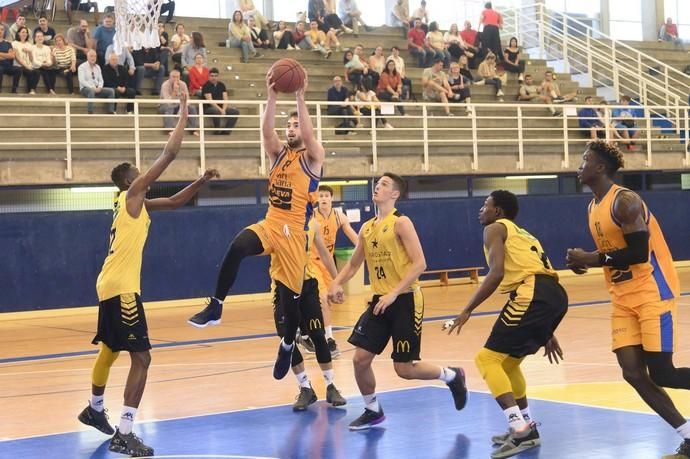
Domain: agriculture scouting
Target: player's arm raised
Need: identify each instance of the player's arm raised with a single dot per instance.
(315, 152)
(183, 196)
(136, 192)
(629, 211)
(335, 293)
(495, 236)
(323, 252)
(347, 227)
(404, 229)
(271, 141)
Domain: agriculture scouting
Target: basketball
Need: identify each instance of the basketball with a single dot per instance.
(288, 75)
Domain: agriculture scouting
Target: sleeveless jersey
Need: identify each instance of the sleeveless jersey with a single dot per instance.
(292, 187)
(329, 230)
(524, 257)
(386, 257)
(121, 272)
(654, 280)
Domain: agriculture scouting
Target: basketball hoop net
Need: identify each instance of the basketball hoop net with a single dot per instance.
(136, 24)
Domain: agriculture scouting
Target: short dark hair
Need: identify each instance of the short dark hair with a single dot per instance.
(213, 70)
(609, 153)
(588, 98)
(398, 182)
(43, 16)
(293, 114)
(437, 60)
(119, 175)
(488, 5)
(394, 47)
(626, 98)
(506, 201)
(326, 188)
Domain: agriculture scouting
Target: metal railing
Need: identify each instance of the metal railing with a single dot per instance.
(525, 132)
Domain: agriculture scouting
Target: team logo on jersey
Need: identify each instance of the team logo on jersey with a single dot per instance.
(315, 324)
(375, 244)
(280, 197)
(402, 346)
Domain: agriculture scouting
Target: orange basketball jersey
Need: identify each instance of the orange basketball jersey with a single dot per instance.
(329, 229)
(292, 187)
(654, 280)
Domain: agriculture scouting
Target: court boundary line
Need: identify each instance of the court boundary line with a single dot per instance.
(231, 339)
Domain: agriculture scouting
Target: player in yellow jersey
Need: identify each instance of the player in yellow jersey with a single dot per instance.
(642, 281)
(292, 185)
(536, 305)
(313, 324)
(121, 320)
(395, 259)
(330, 221)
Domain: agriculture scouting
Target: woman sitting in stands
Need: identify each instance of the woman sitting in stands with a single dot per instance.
(239, 36)
(356, 72)
(377, 61)
(198, 76)
(259, 35)
(371, 102)
(489, 75)
(65, 61)
(511, 59)
(42, 58)
(390, 85)
(283, 38)
(456, 45)
(24, 59)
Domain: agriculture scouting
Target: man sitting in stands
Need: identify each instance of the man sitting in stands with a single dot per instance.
(529, 92)
(590, 121)
(550, 88)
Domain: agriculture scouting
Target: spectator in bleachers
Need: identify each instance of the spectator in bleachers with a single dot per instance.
(79, 5)
(283, 37)
(259, 35)
(511, 59)
(6, 61)
(377, 61)
(355, 70)
(529, 92)
(390, 86)
(465, 69)
(422, 14)
(491, 35)
(489, 75)
(24, 58)
(103, 35)
(79, 38)
(302, 40)
(239, 36)
(471, 39)
(172, 89)
(168, 7)
(125, 58)
(359, 54)
(324, 15)
(624, 122)
(400, 16)
(351, 15)
(549, 87)
(454, 43)
(590, 121)
(460, 86)
(177, 42)
(148, 65)
(400, 68)
(198, 75)
(116, 77)
(416, 43)
(435, 42)
(370, 102)
(217, 94)
(91, 83)
(320, 41)
(42, 58)
(19, 22)
(165, 48)
(65, 61)
(4, 14)
(436, 87)
(250, 11)
(339, 93)
(669, 32)
(189, 52)
(48, 32)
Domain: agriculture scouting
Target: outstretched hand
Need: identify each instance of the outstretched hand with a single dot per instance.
(270, 85)
(553, 350)
(459, 322)
(210, 174)
(184, 109)
(303, 90)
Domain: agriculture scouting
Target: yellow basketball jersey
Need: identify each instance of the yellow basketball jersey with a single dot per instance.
(524, 257)
(387, 259)
(121, 272)
(292, 187)
(642, 283)
(330, 225)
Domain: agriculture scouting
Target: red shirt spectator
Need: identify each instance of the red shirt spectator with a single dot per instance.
(672, 29)
(491, 17)
(198, 76)
(417, 36)
(388, 79)
(469, 36)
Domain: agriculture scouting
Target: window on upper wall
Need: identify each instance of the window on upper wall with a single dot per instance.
(679, 12)
(625, 19)
(590, 8)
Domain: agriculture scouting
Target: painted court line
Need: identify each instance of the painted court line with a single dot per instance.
(231, 339)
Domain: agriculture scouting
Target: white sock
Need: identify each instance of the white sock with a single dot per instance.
(526, 415)
(328, 376)
(684, 430)
(303, 379)
(287, 347)
(127, 419)
(447, 375)
(371, 402)
(96, 402)
(515, 419)
(329, 331)
(217, 299)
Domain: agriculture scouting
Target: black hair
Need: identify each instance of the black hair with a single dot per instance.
(398, 182)
(326, 188)
(394, 47)
(213, 70)
(506, 201)
(626, 98)
(437, 60)
(433, 27)
(488, 5)
(293, 114)
(119, 175)
(609, 154)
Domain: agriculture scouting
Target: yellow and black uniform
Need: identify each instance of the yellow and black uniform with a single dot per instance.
(309, 308)
(537, 301)
(387, 262)
(292, 188)
(329, 225)
(121, 319)
(643, 295)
